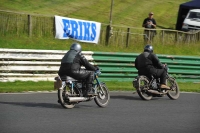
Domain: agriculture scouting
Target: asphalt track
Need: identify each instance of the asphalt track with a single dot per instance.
(126, 113)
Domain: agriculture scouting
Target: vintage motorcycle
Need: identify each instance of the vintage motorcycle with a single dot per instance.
(148, 88)
(71, 91)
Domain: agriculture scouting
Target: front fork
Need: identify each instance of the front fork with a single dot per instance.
(98, 83)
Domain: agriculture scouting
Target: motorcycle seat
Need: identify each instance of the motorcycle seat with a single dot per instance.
(65, 78)
(70, 78)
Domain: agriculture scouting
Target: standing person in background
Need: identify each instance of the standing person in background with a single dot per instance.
(149, 23)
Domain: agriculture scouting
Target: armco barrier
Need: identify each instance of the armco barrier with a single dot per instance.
(120, 66)
(38, 65)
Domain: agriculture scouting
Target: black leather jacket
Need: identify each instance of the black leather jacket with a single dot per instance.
(147, 63)
(72, 61)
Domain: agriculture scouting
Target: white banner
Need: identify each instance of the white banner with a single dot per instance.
(80, 30)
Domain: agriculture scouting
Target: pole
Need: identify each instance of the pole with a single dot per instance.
(111, 7)
(108, 28)
(29, 25)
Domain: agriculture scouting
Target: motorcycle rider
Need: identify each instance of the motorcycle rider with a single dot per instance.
(148, 64)
(71, 66)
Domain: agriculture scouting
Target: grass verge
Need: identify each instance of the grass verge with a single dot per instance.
(19, 86)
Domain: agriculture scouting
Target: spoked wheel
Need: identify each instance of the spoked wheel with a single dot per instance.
(103, 96)
(63, 98)
(174, 92)
(143, 87)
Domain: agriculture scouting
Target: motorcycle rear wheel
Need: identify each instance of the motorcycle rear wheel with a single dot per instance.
(143, 87)
(103, 96)
(62, 97)
(175, 92)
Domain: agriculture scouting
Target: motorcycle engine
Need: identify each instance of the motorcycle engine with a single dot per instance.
(154, 85)
(79, 85)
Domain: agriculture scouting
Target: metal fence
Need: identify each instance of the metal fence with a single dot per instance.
(21, 24)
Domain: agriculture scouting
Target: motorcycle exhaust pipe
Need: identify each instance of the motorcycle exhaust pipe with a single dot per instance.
(154, 92)
(78, 99)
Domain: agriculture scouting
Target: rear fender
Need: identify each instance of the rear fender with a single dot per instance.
(136, 82)
(57, 83)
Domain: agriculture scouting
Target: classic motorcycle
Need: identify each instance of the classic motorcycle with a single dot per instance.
(71, 91)
(148, 88)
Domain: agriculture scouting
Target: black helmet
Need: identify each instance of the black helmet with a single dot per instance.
(148, 48)
(76, 47)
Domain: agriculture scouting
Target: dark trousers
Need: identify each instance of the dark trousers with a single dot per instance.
(157, 73)
(148, 36)
(79, 75)
(161, 73)
(83, 74)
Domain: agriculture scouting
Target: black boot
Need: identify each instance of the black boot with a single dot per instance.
(90, 91)
(84, 91)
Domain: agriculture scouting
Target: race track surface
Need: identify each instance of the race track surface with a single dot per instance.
(126, 113)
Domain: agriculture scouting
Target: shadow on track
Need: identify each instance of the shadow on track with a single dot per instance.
(43, 105)
(33, 104)
(125, 97)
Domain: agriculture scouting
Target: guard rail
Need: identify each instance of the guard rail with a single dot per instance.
(42, 65)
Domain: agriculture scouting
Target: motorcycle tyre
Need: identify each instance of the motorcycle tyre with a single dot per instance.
(173, 97)
(98, 99)
(62, 102)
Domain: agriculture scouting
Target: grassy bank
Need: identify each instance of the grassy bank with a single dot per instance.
(19, 86)
(55, 44)
(126, 12)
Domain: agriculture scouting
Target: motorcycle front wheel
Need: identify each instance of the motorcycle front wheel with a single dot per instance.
(103, 95)
(63, 98)
(174, 92)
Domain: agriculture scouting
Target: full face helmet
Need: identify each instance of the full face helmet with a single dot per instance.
(148, 48)
(76, 47)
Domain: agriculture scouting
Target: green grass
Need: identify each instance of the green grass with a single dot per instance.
(55, 44)
(19, 86)
(127, 12)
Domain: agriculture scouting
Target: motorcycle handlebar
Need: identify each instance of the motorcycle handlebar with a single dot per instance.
(166, 67)
(97, 72)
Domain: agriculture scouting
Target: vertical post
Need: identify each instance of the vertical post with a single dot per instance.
(176, 37)
(163, 36)
(17, 24)
(29, 25)
(127, 37)
(54, 27)
(108, 28)
(112, 2)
